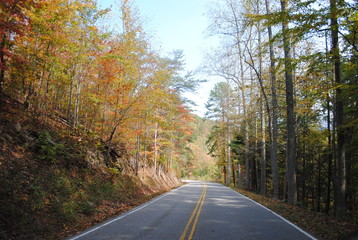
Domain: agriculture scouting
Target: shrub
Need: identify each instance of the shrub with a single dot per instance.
(46, 149)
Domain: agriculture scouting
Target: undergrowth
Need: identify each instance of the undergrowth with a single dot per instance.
(50, 186)
(39, 207)
(47, 186)
(322, 226)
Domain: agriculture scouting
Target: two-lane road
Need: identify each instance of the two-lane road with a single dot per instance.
(198, 210)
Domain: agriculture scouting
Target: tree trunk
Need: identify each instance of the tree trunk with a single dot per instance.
(233, 173)
(263, 153)
(274, 136)
(329, 150)
(155, 149)
(137, 153)
(319, 187)
(228, 181)
(224, 172)
(69, 106)
(242, 87)
(291, 122)
(330, 158)
(304, 167)
(255, 162)
(340, 203)
(263, 122)
(145, 140)
(77, 104)
(2, 62)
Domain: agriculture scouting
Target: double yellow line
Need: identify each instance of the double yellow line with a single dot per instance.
(194, 216)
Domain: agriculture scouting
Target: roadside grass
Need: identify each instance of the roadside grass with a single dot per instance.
(317, 224)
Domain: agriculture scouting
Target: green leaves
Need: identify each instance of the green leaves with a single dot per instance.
(47, 149)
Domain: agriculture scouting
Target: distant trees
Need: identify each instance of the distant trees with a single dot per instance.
(59, 59)
(297, 56)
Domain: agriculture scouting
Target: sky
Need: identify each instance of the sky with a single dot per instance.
(179, 25)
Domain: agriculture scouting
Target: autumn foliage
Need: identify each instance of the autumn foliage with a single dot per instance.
(60, 59)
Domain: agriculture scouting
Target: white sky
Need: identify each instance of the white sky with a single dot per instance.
(178, 24)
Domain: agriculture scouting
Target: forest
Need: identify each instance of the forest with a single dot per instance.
(286, 109)
(282, 122)
(61, 58)
(92, 118)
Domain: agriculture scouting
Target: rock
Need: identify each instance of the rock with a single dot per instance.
(94, 158)
(51, 142)
(18, 127)
(7, 138)
(25, 137)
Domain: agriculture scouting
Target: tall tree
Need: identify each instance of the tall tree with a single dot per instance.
(274, 105)
(220, 108)
(290, 103)
(313, 80)
(340, 206)
(228, 22)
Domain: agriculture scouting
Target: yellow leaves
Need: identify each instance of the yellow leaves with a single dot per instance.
(108, 82)
(304, 106)
(92, 28)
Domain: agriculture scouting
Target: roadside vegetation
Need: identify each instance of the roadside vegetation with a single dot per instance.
(321, 226)
(55, 182)
(286, 110)
(92, 119)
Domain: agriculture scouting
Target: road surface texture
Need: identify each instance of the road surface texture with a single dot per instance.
(197, 210)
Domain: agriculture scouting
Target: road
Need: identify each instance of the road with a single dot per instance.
(197, 210)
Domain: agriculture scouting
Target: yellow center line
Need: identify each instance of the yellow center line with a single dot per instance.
(195, 214)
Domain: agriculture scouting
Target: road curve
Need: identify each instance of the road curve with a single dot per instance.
(197, 210)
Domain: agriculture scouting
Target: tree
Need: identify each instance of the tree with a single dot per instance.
(107, 84)
(291, 122)
(299, 80)
(13, 22)
(274, 104)
(340, 207)
(220, 108)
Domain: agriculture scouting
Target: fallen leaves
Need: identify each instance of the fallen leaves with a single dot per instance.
(319, 225)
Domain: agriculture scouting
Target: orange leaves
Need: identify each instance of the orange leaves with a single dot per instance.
(112, 83)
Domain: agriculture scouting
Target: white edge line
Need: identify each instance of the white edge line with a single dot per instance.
(124, 215)
(284, 219)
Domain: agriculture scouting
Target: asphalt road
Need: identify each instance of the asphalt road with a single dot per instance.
(197, 210)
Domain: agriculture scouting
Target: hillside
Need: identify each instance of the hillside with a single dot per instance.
(56, 181)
